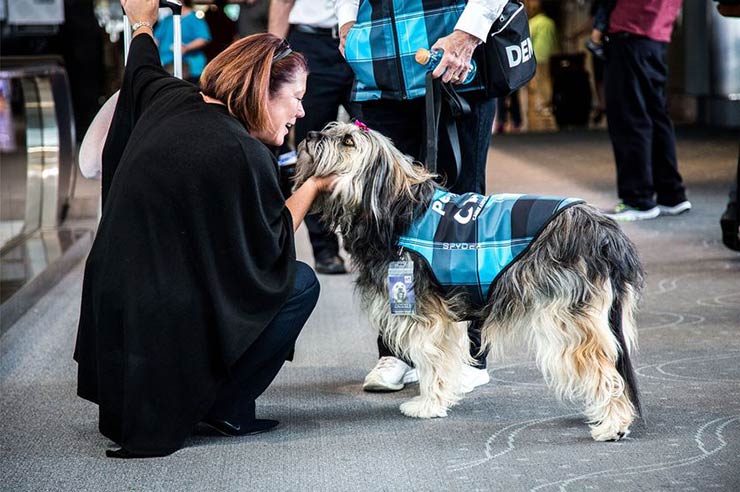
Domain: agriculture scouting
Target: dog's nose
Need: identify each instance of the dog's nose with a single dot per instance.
(313, 135)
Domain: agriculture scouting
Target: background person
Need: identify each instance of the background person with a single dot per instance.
(252, 17)
(391, 92)
(192, 297)
(544, 43)
(195, 37)
(311, 28)
(648, 181)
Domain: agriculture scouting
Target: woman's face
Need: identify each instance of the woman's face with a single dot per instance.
(284, 108)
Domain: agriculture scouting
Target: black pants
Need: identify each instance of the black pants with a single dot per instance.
(329, 85)
(639, 126)
(513, 109)
(403, 122)
(257, 368)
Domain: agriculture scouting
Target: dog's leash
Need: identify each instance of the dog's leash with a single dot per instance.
(454, 109)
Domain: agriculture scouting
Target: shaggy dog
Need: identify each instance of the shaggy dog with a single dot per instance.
(571, 295)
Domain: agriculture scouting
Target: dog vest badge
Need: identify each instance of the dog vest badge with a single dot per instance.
(401, 287)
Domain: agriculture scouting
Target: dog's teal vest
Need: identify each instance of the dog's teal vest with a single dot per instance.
(469, 240)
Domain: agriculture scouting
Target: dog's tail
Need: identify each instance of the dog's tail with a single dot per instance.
(627, 280)
(622, 327)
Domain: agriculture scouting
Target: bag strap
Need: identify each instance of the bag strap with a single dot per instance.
(455, 108)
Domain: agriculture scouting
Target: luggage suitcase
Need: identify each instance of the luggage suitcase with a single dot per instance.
(571, 90)
(90, 158)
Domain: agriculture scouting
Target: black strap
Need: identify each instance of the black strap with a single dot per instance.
(454, 108)
(433, 108)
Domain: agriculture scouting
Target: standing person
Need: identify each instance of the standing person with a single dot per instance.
(648, 181)
(195, 37)
(390, 87)
(222, 27)
(252, 17)
(544, 43)
(192, 297)
(311, 28)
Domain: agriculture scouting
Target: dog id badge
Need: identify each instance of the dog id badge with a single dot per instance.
(401, 287)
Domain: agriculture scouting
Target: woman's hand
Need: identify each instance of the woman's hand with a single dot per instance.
(458, 50)
(299, 203)
(141, 10)
(325, 184)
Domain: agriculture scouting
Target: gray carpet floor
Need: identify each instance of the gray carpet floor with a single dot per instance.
(508, 435)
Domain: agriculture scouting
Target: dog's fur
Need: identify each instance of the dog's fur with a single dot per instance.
(572, 297)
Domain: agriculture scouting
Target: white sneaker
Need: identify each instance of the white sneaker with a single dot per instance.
(624, 213)
(678, 209)
(390, 374)
(474, 377)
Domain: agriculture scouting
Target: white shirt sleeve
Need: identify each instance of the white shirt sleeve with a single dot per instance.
(347, 11)
(478, 17)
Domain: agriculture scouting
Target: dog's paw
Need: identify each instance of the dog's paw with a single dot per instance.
(421, 408)
(608, 432)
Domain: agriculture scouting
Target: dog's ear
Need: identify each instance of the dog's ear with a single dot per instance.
(382, 177)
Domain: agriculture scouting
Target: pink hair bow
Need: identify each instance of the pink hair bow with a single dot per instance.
(362, 126)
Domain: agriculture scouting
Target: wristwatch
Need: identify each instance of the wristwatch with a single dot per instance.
(140, 24)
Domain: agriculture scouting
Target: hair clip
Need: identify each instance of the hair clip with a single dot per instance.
(362, 126)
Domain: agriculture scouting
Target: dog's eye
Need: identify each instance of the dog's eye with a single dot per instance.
(348, 141)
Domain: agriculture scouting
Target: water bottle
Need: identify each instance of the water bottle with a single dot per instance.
(430, 59)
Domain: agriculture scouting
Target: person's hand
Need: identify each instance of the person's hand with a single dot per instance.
(141, 10)
(458, 50)
(343, 31)
(325, 184)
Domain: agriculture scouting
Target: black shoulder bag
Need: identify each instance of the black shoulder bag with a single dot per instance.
(506, 60)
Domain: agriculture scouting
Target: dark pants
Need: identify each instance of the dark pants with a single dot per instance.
(257, 368)
(404, 122)
(639, 126)
(513, 109)
(329, 85)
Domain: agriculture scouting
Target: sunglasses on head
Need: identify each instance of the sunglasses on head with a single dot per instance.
(282, 51)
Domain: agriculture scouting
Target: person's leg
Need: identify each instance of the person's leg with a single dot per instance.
(256, 369)
(597, 66)
(474, 143)
(474, 135)
(630, 125)
(474, 132)
(401, 121)
(668, 183)
(327, 82)
(515, 109)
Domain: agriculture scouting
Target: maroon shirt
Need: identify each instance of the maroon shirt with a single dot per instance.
(650, 18)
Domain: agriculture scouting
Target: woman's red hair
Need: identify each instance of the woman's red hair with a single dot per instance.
(243, 76)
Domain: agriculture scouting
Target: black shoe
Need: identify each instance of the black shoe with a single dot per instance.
(730, 227)
(332, 265)
(123, 454)
(226, 428)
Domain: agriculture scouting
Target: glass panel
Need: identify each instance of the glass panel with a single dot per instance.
(13, 159)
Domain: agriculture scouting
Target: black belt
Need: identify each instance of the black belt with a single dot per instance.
(625, 35)
(318, 31)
